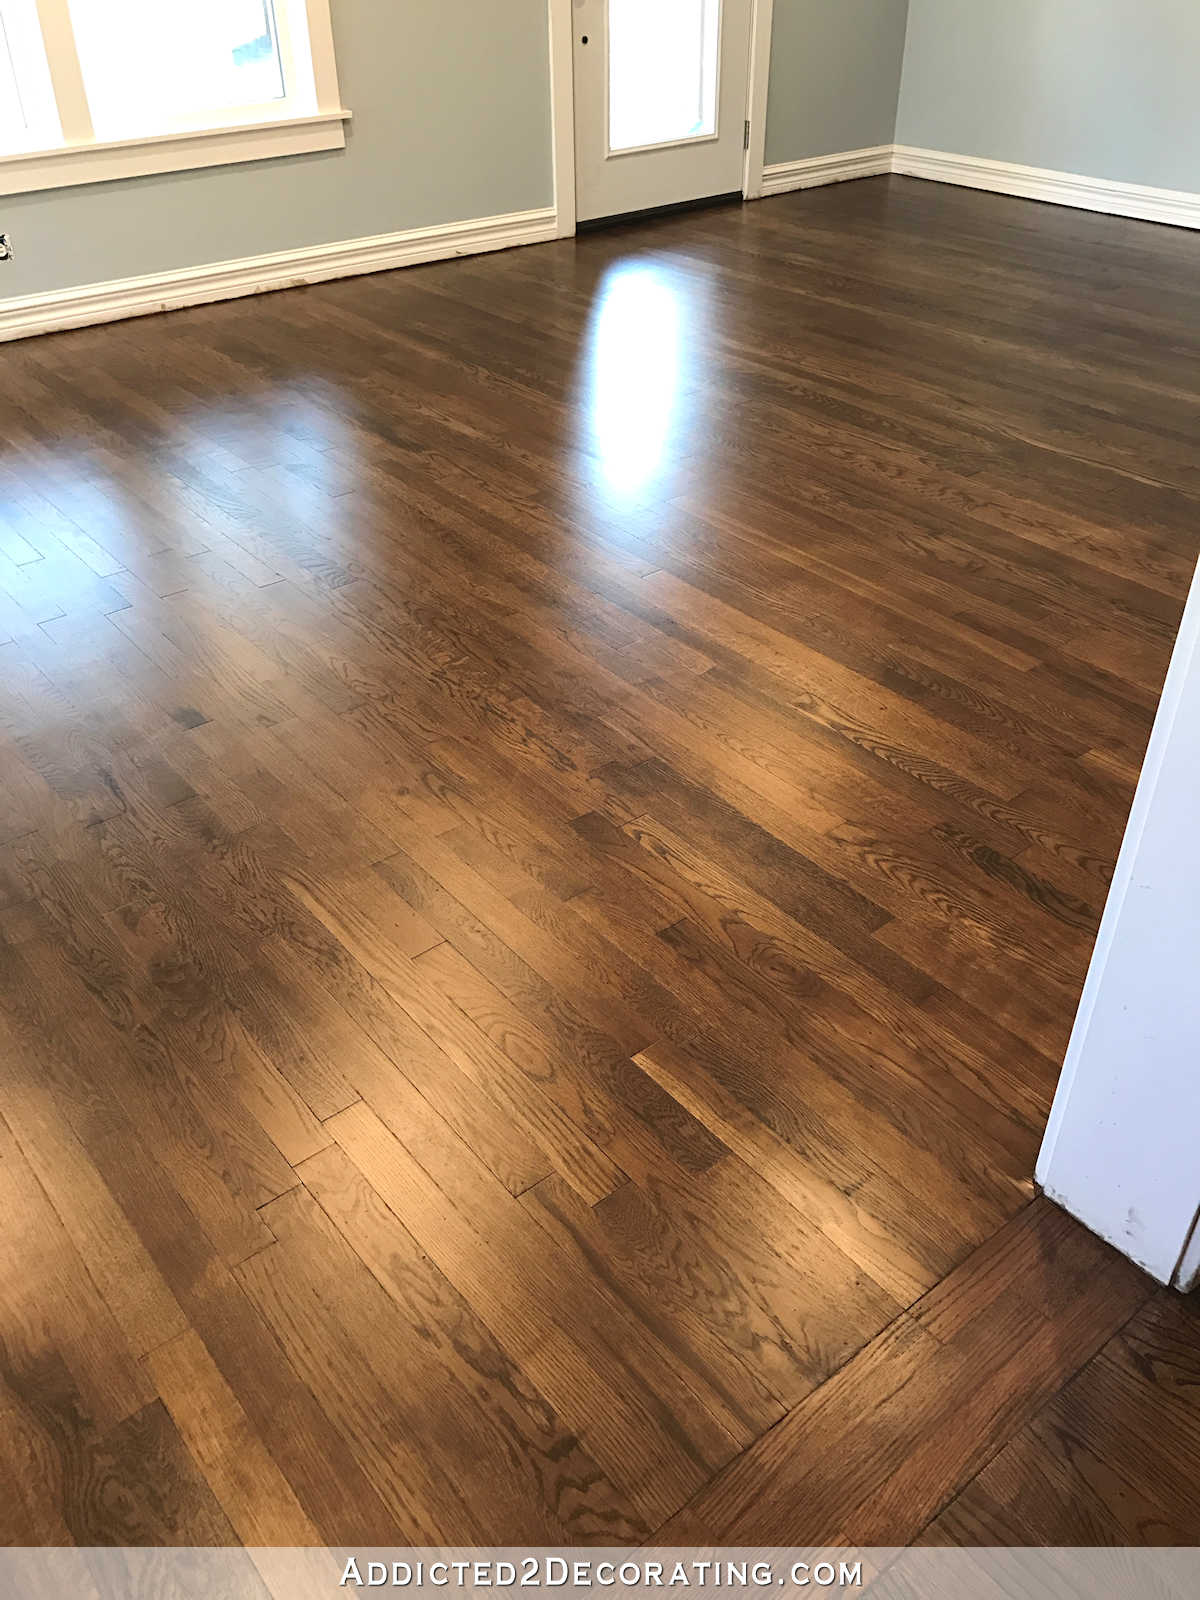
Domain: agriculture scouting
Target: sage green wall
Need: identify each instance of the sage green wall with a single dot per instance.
(451, 103)
(1102, 88)
(835, 76)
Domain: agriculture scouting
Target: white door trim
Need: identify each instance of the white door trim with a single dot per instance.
(562, 101)
(562, 111)
(756, 99)
(1120, 1148)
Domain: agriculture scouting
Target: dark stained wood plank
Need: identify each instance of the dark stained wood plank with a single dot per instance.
(603, 947)
(104, 1238)
(539, 1117)
(241, 1472)
(374, 1374)
(389, 1055)
(607, 1375)
(617, 1104)
(1110, 1460)
(545, 1479)
(132, 1484)
(50, 1305)
(933, 1407)
(151, 1244)
(899, 1268)
(698, 1312)
(1043, 1260)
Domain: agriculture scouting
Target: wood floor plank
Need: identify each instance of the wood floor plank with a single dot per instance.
(133, 1484)
(586, 1373)
(532, 974)
(388, 1054)
(539, 1117)
(855, 1231)
(934, 1410)
(543, 1463)
(370, 1371)
(616, 1107)
(649, 1265)
(50, 1304)
(241, 1472)
(117, 1262)
(1089, 1469)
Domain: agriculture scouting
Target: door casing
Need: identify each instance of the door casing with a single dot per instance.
(562, 94)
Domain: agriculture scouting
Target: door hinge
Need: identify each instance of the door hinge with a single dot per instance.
(746, 137)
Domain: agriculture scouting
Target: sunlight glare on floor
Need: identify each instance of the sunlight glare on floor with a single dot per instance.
(635, 376)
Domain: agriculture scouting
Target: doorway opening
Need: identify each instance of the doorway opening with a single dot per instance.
(662, 107)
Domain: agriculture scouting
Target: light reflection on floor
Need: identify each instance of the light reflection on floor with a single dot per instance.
(635, 375)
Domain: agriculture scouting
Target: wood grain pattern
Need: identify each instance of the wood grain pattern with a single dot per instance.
(1111, 1460)
(553, 810)
(933, 1404)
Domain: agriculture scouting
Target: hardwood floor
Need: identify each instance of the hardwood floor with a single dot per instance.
(1106, 1463)
(553, 812)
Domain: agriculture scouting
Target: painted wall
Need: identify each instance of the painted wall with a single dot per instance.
(1120, 1151)
(451, 103)
(835, 76)
(1100, 88)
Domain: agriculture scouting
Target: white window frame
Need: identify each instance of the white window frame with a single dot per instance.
(256, 134)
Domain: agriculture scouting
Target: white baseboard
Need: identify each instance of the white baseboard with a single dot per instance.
(226, 280)
(816, 170)
(283, 269)
(1175, 206)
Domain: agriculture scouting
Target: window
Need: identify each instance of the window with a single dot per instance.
(101, 89)
(28, 118)
(12, 113)
(219, 57)
(662, 71)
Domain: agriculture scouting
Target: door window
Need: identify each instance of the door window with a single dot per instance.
(663, 58)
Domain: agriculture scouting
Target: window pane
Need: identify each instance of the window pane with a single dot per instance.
(662, 71)
(13, 127)
(28, 114)
(153, 65)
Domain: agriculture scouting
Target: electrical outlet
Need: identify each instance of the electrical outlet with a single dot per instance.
(6, 249)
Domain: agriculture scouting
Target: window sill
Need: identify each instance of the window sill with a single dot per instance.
(103, 162)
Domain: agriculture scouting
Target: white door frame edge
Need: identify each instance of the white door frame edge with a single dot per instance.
(562, 100)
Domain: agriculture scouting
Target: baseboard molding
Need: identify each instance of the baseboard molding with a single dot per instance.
(817, 170)
(1175, 206)
(284, 269)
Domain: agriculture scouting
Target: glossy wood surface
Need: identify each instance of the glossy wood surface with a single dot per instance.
(553, 811)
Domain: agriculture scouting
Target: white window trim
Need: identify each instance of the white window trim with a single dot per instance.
(81, 158)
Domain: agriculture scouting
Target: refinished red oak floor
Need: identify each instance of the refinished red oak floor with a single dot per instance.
(553, 811)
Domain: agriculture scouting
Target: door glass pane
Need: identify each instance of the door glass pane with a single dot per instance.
(662, 71)
(152, 65)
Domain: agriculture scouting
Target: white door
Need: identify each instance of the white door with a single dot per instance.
(661, 89)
